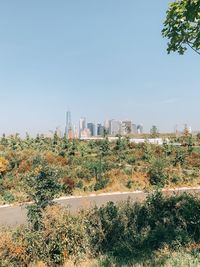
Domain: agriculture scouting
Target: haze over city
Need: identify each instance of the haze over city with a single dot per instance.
(99, 61)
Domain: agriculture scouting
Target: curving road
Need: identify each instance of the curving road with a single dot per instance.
(11, 215)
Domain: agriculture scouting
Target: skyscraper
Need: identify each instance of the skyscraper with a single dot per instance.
(92, 127)
(115, 127)
(68, 128)
(100, 129)
(82, 125)
(107, 126)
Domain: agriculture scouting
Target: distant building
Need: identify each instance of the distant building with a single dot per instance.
(85, 133)
(58, 132)
(75, 131)
(70, 134)
(68, 128)
(92, 127)
(107, 126)
(82, 125)
(126, 127)
(100, 129)
(115, 127)
(133, 128)
(140, 129)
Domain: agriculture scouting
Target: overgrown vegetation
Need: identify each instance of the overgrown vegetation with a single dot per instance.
(78, 167)
(129, 234)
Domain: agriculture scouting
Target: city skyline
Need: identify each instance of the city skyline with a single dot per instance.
(85, 128)
(74, 127)
(103, 60)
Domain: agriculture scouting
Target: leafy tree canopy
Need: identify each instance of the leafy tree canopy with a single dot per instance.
(182, 26)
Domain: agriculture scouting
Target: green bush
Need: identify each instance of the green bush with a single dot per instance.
(129, 184)
(176, 179)
(131, 160)
(137, 230)
(42, 186)
(8, 197)
(101, 184)
(157, 174)
(79, 184)
(180, 156)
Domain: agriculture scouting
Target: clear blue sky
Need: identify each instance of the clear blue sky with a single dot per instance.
(100, 59)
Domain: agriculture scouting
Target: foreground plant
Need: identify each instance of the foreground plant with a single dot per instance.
(42, 187)
(129, 233)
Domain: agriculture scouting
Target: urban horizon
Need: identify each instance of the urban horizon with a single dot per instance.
(85, 128)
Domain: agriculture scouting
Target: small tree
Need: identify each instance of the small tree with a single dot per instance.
(168, 148)
(190, 144)
(104, 147)
(179, 156)
(4, 140)
(148, 155)
(55, 138)
(42, 188)
(72, 148)
(157, 175)
(154, 131)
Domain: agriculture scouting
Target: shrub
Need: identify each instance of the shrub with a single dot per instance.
(135, 230)
(3, 165)
(42, 186)
(175, 179)
(8, 197)
(179, 156)
(101, 184)
(68, 185)
(157, 175)
(147, 154)
(129, 184)
(62, 238)
(131, 160)
(79, 184)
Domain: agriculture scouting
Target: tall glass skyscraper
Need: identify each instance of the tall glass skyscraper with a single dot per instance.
(93, 129)
(68, 128)
(82, 125)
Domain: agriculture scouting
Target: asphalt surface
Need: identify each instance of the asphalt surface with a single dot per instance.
(11, 216)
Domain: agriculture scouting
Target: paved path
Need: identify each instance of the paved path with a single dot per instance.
(16, 215)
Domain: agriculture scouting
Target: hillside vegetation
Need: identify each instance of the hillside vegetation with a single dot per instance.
(80, 167)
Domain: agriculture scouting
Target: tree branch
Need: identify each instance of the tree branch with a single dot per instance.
(193, 48)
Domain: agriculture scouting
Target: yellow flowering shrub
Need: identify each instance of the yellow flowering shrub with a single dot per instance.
(3, 165)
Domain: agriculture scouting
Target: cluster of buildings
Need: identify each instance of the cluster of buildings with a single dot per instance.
(91, 129)
(111, 128)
